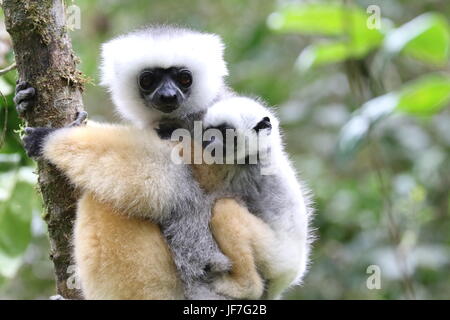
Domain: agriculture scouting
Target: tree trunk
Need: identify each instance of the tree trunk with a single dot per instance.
(45, 59)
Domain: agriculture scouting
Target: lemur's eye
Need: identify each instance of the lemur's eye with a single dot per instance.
(146, 80)
(185, 78)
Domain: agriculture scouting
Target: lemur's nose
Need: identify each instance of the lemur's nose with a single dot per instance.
(168, 98)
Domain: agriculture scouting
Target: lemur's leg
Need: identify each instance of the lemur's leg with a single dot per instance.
(237, 232)
(255, 252)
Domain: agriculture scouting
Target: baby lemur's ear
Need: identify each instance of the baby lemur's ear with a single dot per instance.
(263, 124)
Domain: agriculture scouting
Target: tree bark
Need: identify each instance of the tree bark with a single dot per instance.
(45, 59)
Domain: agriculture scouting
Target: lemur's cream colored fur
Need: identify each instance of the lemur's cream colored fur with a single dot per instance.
(118, 253)
(119, 257)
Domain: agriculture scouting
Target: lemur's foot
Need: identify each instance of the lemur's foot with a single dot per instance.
(239, 288)
(264, 124)
(25, 98)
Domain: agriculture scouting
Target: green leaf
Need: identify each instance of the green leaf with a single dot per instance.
(9, 265)
(320, 54)
(7, 183)
(311, 19)
(357, 128)
(425, 96)
(5, 88)
(326, 53)
(426, 38)
(15, 220)
(347, 23)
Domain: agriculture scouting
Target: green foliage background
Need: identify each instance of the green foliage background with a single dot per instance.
(366, 119)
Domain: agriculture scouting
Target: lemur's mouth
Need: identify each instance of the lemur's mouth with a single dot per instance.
(164, 108)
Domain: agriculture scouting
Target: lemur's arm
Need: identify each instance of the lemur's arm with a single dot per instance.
(118, 164)
(124, 166)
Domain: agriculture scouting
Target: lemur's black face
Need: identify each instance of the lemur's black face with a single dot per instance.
(165, 89)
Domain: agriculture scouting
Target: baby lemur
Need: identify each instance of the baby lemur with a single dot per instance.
(263, 179)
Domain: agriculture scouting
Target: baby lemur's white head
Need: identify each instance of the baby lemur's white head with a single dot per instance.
(249, 120)
(163, 71)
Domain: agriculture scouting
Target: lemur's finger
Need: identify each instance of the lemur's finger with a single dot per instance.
(24, 106)
(20, 85)
(81, 117)
(24, 94)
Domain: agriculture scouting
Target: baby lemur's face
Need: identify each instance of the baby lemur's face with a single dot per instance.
(165, 89)
(243, 141)
(241, 125)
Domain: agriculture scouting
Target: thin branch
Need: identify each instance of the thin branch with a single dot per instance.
(5, 123)
(8, 69)
(378, 163)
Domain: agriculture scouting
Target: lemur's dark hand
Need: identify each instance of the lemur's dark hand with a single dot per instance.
(25, 98)
(34, 139)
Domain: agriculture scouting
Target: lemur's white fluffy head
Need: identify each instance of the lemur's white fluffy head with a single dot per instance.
(244, 114)
(123, 58)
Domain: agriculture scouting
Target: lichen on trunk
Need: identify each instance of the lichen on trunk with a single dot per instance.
(45, 59)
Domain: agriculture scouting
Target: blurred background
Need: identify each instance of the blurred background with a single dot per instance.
(362, 89)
